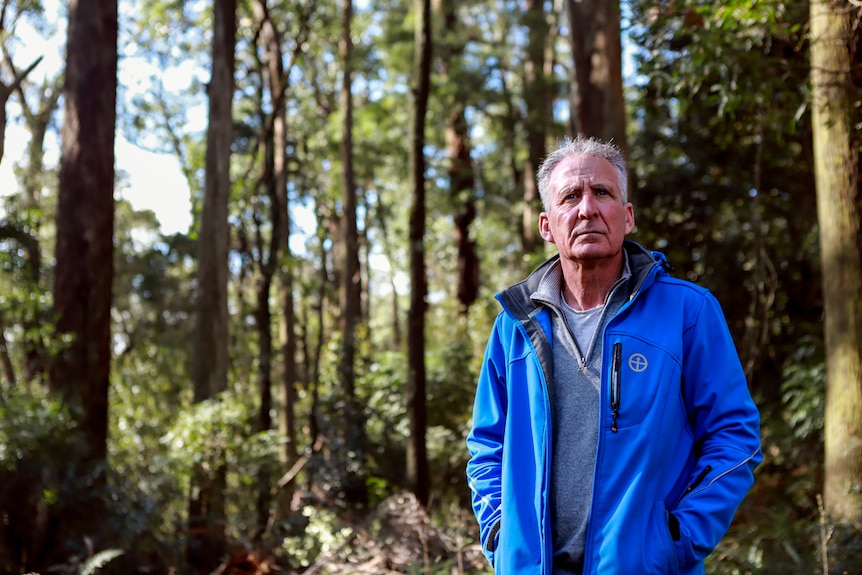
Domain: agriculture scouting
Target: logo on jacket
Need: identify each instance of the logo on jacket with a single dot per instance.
(638, 362)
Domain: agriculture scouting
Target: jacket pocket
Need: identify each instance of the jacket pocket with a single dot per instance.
(636, 383)
(659, 554)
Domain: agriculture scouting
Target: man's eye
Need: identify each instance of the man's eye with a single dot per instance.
(602, 192)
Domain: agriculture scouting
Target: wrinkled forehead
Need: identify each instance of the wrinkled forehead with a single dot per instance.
(575, 172)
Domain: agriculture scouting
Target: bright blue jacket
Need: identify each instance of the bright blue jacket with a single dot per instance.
(676, 453)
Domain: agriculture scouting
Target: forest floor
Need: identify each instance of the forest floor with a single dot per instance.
(397, 538)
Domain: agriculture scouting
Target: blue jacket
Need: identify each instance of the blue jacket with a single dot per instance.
(676, 450)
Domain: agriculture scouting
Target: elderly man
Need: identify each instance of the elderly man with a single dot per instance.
(613, 429)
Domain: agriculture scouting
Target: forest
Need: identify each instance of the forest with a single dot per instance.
(286, 385)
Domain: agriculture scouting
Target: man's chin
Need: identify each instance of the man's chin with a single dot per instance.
(593, 253)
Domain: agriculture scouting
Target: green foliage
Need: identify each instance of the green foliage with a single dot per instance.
(45, 476)
(804, 391)
(322, 535)
(208, 433)
(32, 425)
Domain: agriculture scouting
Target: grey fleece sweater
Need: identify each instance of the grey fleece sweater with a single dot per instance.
(575, 386)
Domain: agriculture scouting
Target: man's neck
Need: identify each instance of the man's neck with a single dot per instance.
(586, 284)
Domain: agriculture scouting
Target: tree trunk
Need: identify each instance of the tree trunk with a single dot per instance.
(84, 272)
(85, 218)
(462, 174)
(416, 401)
(597, 104)
(537, 98)
(274, 182)
(263, 323)
(207, 540)
(382, 213)
(351, 280)
(287, 389)
(8, 368)
(839, 211)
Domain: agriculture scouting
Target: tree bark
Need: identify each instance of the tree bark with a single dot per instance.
(207, 540)
(85, 219)
(83, 277)
(351, 280)
(462, 174)
(839, 211)
(273, 180)
(597, 104)
(537, 99)
(416, 401)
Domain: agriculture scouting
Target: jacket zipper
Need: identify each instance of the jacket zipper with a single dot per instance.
(702, 475)
(616, 377)
(699, 479)
(588, 559)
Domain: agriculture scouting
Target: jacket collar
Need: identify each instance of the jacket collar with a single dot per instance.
(517, 301)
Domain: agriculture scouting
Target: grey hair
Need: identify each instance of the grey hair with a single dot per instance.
(582, 146)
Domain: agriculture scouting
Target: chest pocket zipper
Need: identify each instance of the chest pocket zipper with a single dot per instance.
(616, 383)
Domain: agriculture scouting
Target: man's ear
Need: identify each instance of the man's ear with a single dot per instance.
(630, 218)
(545, 228)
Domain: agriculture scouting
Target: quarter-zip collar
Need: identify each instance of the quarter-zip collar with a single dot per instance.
(517, 299)
(549, 292)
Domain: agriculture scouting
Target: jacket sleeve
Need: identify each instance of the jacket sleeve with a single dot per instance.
(726, 427)
(485, 443)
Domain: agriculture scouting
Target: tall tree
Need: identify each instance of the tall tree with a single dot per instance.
(537, 99)
(83, 276)
(85, 218)
(597, 105)
(416, 400)
(274, 183)
(834, 37)
(207, 540)
(351, 278)
(461, 171)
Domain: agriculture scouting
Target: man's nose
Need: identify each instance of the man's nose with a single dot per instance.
(587, 207)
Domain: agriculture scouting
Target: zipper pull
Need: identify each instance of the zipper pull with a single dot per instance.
(616, 376)
(700, 477)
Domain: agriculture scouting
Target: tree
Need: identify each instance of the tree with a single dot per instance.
(538, 99)
(274, 183)
(597, 107)
(83, 276)
(834, 37)
(207, 541)
(351, 277)
(417, 451)
(461, 171)
(85, 218)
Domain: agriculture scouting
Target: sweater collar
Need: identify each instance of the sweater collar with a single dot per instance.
(517, 298)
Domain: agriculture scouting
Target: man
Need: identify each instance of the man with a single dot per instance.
(613, 430)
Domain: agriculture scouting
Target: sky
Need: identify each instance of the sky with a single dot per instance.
(155, 181)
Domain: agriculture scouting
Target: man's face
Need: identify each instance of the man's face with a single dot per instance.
(586, 217)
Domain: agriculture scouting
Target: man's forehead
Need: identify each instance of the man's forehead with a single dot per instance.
(575, 171)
